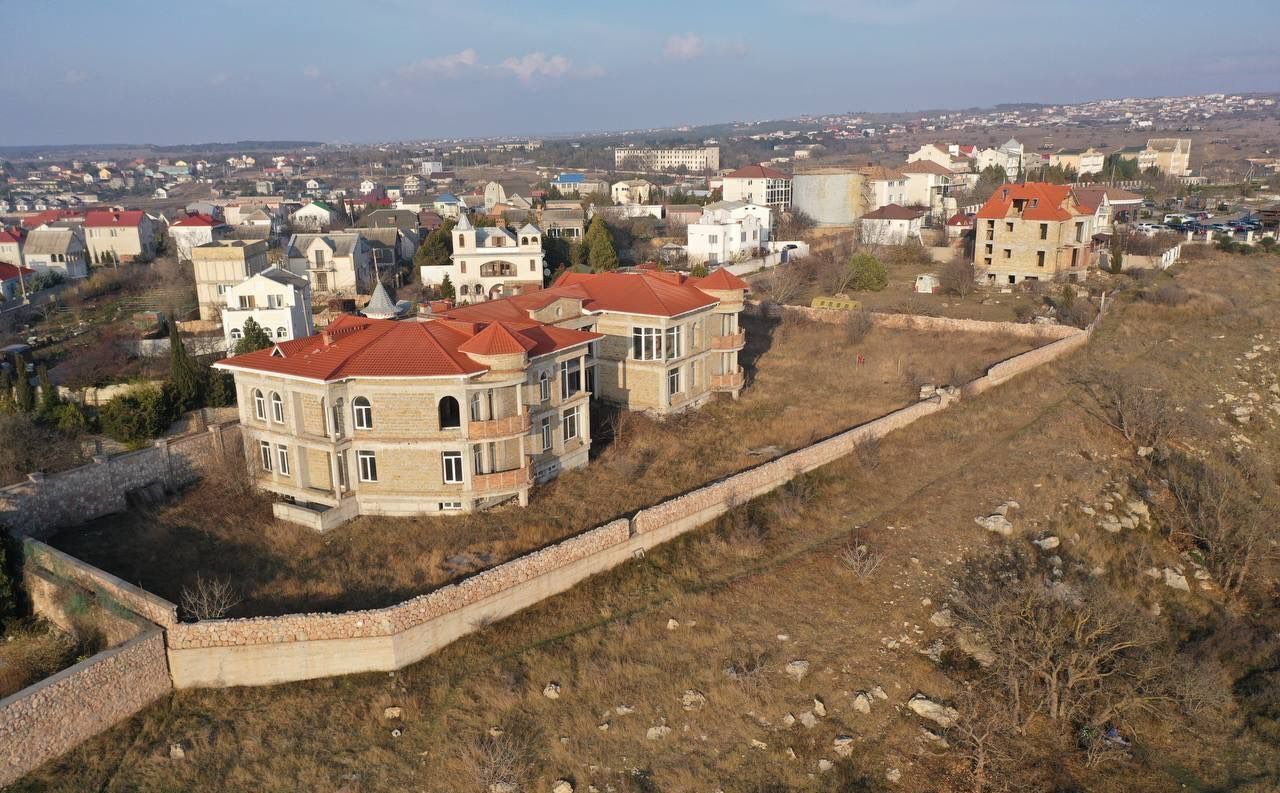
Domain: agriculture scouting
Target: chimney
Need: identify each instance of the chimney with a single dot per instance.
(327, 338)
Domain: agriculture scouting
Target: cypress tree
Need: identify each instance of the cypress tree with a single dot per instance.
(49, 401)
(24, 396)
(183, 373)
(6, 392)
(255, 338)
(447, 290)
(602, 256)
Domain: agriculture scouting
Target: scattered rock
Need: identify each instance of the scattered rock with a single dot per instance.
(603, 726)
(878, 693)
(926, 708)
(672, 624)
(1145, 451)
(623, 710)
(1173, 578)
(788, 720)
(657, 733)
(1047, 543)
(934, 738)
(1088, 510)
(843, 745)
(503, 787)
(808, 720)
(758, 744)
(562, 786)
(825, 765)
(1137, 507)
(1152, 572)
(976, 647)
(393, 712)
(176, 752)
(862, 703)
(797, 670)
(692, 700)
(551, 691)
(819, 707)
(996, 523)
(893, 775)
(941, 618)
(1110, 524)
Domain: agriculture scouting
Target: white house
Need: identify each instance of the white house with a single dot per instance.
(339, 261)
(489, 263)
(757, 184)
(316, 216)
(448, 205)
(928, 183)
(890, 225)
(276, 299)
(195, 229)
(632, 191)
(58, 250)
(727, 231)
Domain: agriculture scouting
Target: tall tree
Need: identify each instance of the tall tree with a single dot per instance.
(602, 256)
(183, 372)
(436, 248)
(23, 395)
(49, 401)
(6, 392)
(446, 288)
(255, 338)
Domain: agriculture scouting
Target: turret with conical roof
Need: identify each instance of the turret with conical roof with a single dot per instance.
(380, 305)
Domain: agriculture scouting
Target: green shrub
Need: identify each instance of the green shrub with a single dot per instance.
(139, 415)
(868, 273)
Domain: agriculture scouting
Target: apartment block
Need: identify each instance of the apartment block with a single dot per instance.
(706, 158)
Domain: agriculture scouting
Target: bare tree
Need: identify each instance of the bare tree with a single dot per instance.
(209, 598)
(860, 558)
(957, 277)
(1135, 404)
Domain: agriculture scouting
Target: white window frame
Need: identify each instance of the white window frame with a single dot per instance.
(264, 451)
(282, 457)
(259, 404)
(449, 506)
(544, 386)
(451, 463)
(646, 343)
(569, 424)
(544, 430)
(673, 374)
(674, 342)
(277, 407)
(362, 415)
(367, 462)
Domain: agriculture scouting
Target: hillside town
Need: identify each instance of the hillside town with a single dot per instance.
(911, 451)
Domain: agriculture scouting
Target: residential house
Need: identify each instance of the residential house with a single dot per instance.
(338, 262)
(1082, 161)
(890, 225)
(12, 242)
(315, 216)
(114, 235)
(1033, 231)
(727, 232)
(758, 184)
(386, 417)
(568, 224)
(681, 214)
(57, 250)
(219, 265)
(1171, 155)
(490, 262)
(928, 185)
(276, 299)
(448, 205)
(412, 185)
(632, 191)
(953, 157)
(15, 282)
(1108, 204)
(578, 184)
(193, 229)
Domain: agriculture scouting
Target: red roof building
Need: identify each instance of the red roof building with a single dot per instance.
(1033, 232)
(111, 218)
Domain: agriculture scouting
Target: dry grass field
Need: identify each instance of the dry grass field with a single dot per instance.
(672, 670)
(804, 384)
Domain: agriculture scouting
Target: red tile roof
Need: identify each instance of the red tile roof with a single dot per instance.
(10, 271)
(721, 281)
(926, 166)
(893, 212)
(104, 218)
(48, 216)
(360, 347)
(960, 219)
(653, 294)
(16, 234)
(197, 219)
(1051, 202)
(755, 172)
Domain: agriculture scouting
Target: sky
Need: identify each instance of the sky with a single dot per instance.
(116, 71)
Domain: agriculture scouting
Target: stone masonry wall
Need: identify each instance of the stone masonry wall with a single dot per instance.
(923, 323)
(44, 720)
(46, 502)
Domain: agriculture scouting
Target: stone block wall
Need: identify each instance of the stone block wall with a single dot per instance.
(1022, 330)
(44, 720)
(47, 502)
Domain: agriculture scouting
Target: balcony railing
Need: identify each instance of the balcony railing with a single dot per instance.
(733, 341)
(727, 382)
(501, 480)
(498, 428)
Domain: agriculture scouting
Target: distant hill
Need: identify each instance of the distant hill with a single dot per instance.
(152, 149)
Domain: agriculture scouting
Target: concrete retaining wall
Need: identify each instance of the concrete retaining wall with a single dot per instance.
(1021, 330)
(47, 502)
(42, 721)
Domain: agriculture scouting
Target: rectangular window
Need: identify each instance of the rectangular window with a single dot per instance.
(275, 301)
(570, 378)
(449, 506)
(477, 460)
(1044, 231)
(673, 381)
(569, 427)
(452, 464)
(545, 430)
(675, 342)
(1039, 258)
(282, 454)
(713, 239)
(1008, 253)
(1008, 226)
(368, 465)
(247, 301)
(265, 449)
(646, 344)
(342, 470)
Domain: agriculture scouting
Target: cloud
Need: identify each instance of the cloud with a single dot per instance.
(536, 64)
(444, 64)
(311, 72)
(683, 48)
(74, 76)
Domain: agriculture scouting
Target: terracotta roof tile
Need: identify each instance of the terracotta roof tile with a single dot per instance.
(103, 218)
(756, 172)
(1044, 202)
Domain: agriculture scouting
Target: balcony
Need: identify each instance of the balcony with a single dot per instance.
(498, 428)
(727, 382)
(734, 341)
(514, 479)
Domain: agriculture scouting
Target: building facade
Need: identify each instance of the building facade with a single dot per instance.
(57, 250)
(490, 262)
(119, 235)
(276, 299)
(339, 262)
(757, 184)
(220, 265)
(195, 229)
(1033, 232)
(705, 158)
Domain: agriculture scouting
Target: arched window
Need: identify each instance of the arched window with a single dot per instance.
(281, 333)
(450, 414)
(462, 241)
(236, 334)
(544, 386)
(363, 413)
(277, 408)
(259, 405)
(524, 240)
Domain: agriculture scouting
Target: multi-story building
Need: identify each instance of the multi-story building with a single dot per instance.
(490, 262)
(58, 250)
(119, 235)
(927, 185)
(385, 417)
(1171, 155)
(193, 229)
(276, 299)
(632, 191)
(220, 265)
(1033, 232)
(705, 158)
(757, 184)
(12, 242)
(339, 262)
(728, 231)
(1082, 161)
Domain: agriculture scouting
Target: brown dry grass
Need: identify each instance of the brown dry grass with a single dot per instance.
(762, 587)
(31, 650)
(804, 385)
